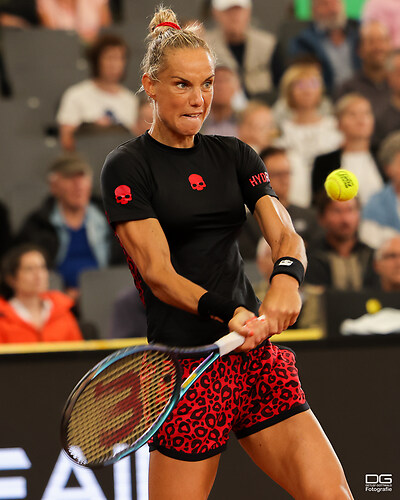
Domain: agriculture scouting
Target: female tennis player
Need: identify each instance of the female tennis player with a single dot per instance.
(176, 199)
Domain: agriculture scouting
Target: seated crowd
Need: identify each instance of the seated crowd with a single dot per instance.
(326, 98)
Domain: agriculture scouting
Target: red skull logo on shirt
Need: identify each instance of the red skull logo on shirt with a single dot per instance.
(197, 182)
(123, 194)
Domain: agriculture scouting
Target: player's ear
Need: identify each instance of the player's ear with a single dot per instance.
(148, 85)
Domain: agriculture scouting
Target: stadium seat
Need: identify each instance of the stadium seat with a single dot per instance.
(25, 159)
(94, 147)
(41, 64)
(99, 289)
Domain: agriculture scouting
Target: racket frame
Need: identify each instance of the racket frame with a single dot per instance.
(93, 374)
(211, 352)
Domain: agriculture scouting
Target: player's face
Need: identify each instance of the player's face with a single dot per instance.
(182, 96)
(357, 121)
(32, 276)
(341, 219)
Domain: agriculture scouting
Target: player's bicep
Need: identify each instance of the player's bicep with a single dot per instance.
(145, 242)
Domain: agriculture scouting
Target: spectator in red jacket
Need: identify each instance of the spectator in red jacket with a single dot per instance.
(29, 312)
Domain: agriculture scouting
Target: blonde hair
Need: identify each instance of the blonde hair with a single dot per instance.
(293, 74)
(346, 101)
(164, 38)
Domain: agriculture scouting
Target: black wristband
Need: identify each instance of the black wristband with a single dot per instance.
(289, 266)
(213, 305)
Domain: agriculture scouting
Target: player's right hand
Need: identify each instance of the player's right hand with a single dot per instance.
(252, 328)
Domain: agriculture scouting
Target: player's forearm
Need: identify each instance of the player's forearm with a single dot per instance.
(290, 244)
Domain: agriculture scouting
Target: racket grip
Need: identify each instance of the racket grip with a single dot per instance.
(229, 342)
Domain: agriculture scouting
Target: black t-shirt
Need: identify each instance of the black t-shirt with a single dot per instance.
(198, 195)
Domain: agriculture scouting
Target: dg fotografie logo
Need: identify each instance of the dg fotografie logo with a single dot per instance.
(378, 482)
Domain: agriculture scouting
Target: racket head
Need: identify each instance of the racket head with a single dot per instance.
(120, 404)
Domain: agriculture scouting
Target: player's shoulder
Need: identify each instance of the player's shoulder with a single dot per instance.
(129, 154)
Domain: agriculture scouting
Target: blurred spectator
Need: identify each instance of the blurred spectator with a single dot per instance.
(256, 125)
(356, 122)
(101, 100)
(279, 171)
(339, 260)
(70, 226)
(307, 133)
(128, 315)
(381, 215)
(388, 117)
(222, 119)
(387, 12)
(332, 39)
(387, 264)
(242, 47)
(145, 116)
(5, 229)
(370, 81)
(86, 17)
(18, 13)
(29, 312)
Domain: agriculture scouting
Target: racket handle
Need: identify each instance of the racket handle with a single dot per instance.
(230, 342)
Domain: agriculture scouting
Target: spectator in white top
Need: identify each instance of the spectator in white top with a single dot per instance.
(101, 100)
(356, 122)
(306, 133)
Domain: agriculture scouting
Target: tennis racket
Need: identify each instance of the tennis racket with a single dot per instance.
(122, 402)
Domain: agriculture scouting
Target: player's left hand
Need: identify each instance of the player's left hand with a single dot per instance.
(281, 305)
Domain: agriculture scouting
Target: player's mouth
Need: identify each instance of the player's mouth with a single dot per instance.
(193, 115)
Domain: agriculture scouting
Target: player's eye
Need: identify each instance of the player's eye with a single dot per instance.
(208, 84)
(181, 85)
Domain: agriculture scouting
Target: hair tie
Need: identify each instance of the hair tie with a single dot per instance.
(171, 25)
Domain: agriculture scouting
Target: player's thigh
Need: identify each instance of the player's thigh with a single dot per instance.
(171, 479)
(296, 454)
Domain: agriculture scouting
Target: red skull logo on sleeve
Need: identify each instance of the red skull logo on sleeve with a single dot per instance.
(123, 194)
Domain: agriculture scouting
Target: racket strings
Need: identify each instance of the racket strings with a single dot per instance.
(120, 405)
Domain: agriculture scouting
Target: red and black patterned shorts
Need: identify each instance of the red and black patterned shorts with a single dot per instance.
(244, 392)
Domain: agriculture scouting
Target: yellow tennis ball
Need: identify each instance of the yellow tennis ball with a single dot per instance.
(341, 185)
(373, 306)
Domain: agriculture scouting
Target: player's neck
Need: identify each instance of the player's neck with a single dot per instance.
(168, 138)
